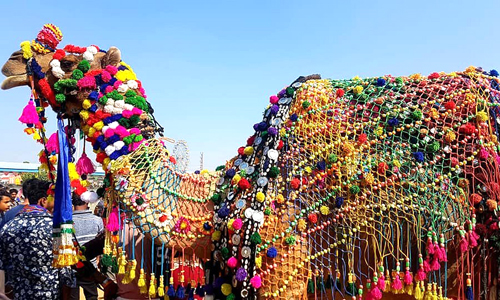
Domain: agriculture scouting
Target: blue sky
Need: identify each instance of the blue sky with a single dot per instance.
(209, 67)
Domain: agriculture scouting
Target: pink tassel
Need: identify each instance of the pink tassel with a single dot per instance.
(435, 264)
(396, 283)
(376, 293)
(113, 223)
(430, 246)
(52, 144)
(368, 296)
(472, 240)
(381, 282)
(464, 245)
(474, 234)
(427, 265)
(421, 275)
(444, 257)
(84, 165)
(29, 115)
(408, 278)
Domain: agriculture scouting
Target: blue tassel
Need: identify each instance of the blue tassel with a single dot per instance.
(200, 291)
(171, 291)
(181, 293)
(191, 294)
(469, 295)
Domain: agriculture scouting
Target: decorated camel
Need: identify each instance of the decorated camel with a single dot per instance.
(371, 188)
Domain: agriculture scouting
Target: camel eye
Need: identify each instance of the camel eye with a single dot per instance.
(67, 65)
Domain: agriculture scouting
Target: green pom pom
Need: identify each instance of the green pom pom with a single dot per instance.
(103, 100)
(221, 167)
(434, 147)
(267, 211)
(115, 95)
(124, 122)
(216, 198)
(107, 261)
(290, 240)
(416, 115)
(274, 172)
(84, 66)
(77, 74)
(225, 253)
(60, 98)
(255, 238)
(332, 158)
(306, 104)
(290, 91)
(354, 189)
(399, 80)
(130, 93)
(231, 297)
(134, 120)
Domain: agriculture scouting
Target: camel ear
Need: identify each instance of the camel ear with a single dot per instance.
(112, 57)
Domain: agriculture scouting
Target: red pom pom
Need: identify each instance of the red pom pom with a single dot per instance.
(172, 160)
(340, 93)
(434, 75)
(163, 218)
(362, 138)
(280, 145)
(250, 140)
(295, 183)
(450, 105)
(313, 218)
(243, 184)
(100, 157)
(241, 150)
(47, 92)
(382, 167)
(468, 128)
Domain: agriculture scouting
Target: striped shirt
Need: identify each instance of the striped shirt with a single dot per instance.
(87, 225)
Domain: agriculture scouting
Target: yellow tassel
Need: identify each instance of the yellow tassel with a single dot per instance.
(161, 287)
(143, 290)
(440, 297)
(142, 281)
(428, 293)
(387, 282)
(132, 269)
(418, 292)
(152, 286)
(434, 291)
(122, 261)
(409, 289)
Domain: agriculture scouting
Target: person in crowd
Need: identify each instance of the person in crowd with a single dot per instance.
(16, 209)
(13, 194)
(5, 204)
(87, 226)
(26, 248)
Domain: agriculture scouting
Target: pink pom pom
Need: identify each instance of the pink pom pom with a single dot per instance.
(121, 131)
(256, 282)
(430, 246)
(29, 115)
(474, 234)
(143, 92)
(84, 165)
(444, 257)
(87, 82)
(435, 264)
(376, 293)
(137, 111)
(135, 131)
(109, 89)
(111, 69)
(274, 99)
(421, 275)
(105, 76)
(464, 245)
(117, 84)
(109, 133)
(127, 114)
(381, 282)
(237, 224)
(396, 283)
(113, 223)
(408, 279)
(53, 143)
(427, 265)
(232, 262)
(472, 241)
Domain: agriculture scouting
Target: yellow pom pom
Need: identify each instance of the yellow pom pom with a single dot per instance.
(258, 261)
(91, 131)
(450, 136)
(324, 210)
(369, 179)
(216, 235)
(357, 90)
(226, 289)
(86, 104)
(280, 199)
(248, 150)
(481, 116)
(26, 48)
(301, 225)
(260, 196)
(204, 171)
(236, 178)
(84, 115)
(308, 169)
(98, 125)
(379, 131)
(36, 136)
(72, 172)
(230, 224)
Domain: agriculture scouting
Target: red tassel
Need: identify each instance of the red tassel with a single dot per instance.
(52, 144)
(29, 115)
(408, 278)
(421, 275)
(113, 223)
(396, 283)
(464, 245)
(84, 165)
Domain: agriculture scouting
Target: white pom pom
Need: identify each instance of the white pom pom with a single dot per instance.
(110, 102)
(113, 125)
(89, 197)
(92, 49)
(120, 104)
(132, 84)
(122, 88)
(128, 107)
(55, 63)
(109, 150)
(118, 145)
(104, 129)
(88, 56)
(58, 72)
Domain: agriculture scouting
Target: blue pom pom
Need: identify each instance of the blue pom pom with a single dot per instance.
(93, 96)
(294, 117)
(95, 146)
(262, 126)
(100, 139)
(339, 201)
(321, 165)
(419, 156)
(115, 155)
(256, 126)
(103, 145)
(171, 291)
(207, 226)
(93, 108)
(272, 252)
(223, 212)
(98, 79)
(380, 82)
(197, 172)
(494, 73)
(103, 87)
(230, 173)
(113, 139)
(112, 81)
(122, 68)
(124, 150)
(393, 122)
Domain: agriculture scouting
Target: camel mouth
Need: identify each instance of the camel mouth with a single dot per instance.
(14, 81)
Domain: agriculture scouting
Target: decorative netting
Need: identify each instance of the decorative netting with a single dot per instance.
(351, 188)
